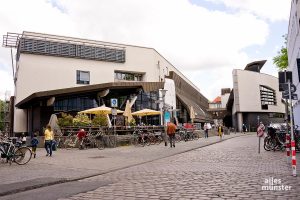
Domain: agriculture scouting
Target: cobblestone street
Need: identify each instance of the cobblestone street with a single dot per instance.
(229, 170)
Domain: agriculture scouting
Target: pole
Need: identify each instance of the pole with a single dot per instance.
(294, 172)
(288, 137)
(257, 133)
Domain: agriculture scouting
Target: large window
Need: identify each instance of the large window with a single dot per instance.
(74, 104)
(267, 97)
(128, 76)
(83, 77)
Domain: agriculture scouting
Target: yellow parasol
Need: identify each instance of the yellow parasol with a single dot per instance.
(146, 112)
(99, 110)
(127, 113)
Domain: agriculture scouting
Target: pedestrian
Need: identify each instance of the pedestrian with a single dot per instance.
(171, 129)
(205, 130)
(220, 131)
(49, 136)
(244, 128)
(23, 139)
(81, 135)
(34, 142)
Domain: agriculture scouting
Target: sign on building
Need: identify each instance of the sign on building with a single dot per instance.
(114, 103)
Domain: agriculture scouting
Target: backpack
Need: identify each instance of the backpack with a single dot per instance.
(54, 146)
(34, 142)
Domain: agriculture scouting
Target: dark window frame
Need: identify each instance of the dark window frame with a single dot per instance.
(78, 78)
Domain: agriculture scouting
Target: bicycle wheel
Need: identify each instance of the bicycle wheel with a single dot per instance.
(158, 140)
(69, 144)
(22, 155)
(99, 144)
(267, 144)
(177, 138)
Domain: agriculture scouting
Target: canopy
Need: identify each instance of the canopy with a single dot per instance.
(99, 110)
(127, 113)
(146, 112)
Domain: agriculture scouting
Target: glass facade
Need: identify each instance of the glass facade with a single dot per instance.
(74, 104)
(144, 100)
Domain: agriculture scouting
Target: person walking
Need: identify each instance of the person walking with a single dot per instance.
(34, 143)
(49, 136)
(205, 130)
(171, 129)
(220, 131)
(23, 139)
(244, 128)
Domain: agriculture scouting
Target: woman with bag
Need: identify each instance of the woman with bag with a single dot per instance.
(49, 136)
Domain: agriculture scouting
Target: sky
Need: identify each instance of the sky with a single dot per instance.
(204, 39)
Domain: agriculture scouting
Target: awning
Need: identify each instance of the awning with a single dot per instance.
(146, 86)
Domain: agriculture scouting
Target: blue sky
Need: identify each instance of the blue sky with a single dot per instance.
(204, 39)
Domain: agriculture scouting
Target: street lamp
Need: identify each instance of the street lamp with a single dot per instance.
(162, 107)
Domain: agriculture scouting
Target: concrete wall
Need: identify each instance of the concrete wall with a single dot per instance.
(247, 91)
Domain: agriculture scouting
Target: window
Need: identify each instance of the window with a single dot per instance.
(83, 77)
(128, 76)
(267, 97)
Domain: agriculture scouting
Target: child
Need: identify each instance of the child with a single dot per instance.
(34, 143)
(23, 139)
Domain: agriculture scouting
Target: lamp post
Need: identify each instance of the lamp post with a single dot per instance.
(163, 94)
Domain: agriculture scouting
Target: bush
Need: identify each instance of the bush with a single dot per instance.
(100, 120)
(65, 120)
(81, 120)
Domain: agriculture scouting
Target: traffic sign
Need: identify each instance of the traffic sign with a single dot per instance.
(286, 96)
(293, 88)
(114, 103)
(285, 87)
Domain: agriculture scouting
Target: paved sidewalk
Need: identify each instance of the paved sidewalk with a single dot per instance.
(70, 165)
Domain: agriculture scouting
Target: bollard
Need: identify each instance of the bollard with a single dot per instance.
(288, 146)
(294, 158)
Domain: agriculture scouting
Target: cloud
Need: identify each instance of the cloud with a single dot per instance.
(277, 10)
(191, 37)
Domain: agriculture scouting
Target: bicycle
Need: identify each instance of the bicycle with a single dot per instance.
(12, 153)
(71, 141)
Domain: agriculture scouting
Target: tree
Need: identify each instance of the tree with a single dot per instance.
(281, 60)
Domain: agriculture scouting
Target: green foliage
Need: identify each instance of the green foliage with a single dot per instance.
(81, 120)
(65, 120)
(281, 60)
(100, 120)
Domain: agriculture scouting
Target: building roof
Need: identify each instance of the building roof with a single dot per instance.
(217, 100)
(255, 66)
(44, 95)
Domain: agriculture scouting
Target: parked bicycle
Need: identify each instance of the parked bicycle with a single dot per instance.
(14, 152)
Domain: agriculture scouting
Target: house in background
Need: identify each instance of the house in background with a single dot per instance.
(217, 108)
